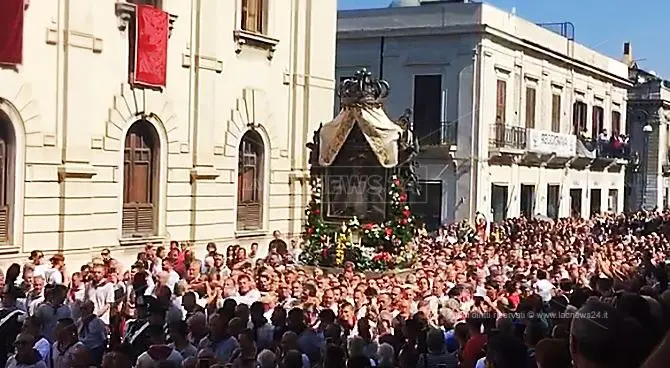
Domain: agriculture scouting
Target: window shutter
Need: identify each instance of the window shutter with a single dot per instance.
(145, 218)
(138, 218)
(251, 15)
(249, 183)
(616, 122)
(249, 216)
(501, 97)
(556, 113)
(530, 108)
(129, 220)
(4, 208)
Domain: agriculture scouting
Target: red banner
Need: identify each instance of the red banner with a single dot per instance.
(151, 39)
(11, 32)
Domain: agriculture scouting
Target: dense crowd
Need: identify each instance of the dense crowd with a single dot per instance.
(527, 293)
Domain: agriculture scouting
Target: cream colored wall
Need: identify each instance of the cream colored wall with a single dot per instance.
(75, 107)
(519, 69)
(514, 176)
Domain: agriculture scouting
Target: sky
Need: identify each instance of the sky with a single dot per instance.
(602, 25)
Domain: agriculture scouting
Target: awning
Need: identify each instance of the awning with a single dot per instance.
(380, 132)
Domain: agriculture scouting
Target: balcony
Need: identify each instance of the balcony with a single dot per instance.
(600, 154)
(532, 147)
(438, 140)
(507, 138)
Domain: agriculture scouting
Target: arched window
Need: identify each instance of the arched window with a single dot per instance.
(250, 182)
(140, 180)
(6, 175)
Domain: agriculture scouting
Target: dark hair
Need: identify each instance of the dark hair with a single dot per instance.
(180, 327)
(156, 331)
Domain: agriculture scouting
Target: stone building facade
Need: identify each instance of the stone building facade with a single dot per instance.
(219, 155)
(499, 105)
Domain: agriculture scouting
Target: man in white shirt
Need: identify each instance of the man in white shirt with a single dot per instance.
(100, 293)
(248, 293)
(36, 295)
(543, 287)
(173, 276)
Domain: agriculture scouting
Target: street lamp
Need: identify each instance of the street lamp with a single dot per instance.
(646, 130)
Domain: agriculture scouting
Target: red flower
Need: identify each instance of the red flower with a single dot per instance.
(406, 213)
(389, 231)
(403, 222)
(310, 230)
(317, 211)
(396, 182)
(368, 226)
(403, 197)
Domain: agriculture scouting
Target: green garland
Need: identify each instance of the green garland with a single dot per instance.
(383, 246)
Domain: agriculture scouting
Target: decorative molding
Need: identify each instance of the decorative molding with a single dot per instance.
(243, 37)
(202, 61)
(252, 111)
(73, 171)
(136, 104)
(183, 147)
(97, 142)
(251, 233)
(204, 173)
(84, 41)
(125, 12)
(219, 150)
(52, 34)
(128, 242)
(50, 140)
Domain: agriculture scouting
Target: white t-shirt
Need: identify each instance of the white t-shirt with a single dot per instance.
(101, 295)
(146, 361)
(54, 276)
(543, 288)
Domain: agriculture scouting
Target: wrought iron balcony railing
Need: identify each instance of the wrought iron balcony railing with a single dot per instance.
(444, 134)
(507, 136)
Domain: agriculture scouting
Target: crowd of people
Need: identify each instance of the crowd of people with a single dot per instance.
(528, 293)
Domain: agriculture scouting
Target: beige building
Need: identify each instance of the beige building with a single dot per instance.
(498, 105)
(218, 155)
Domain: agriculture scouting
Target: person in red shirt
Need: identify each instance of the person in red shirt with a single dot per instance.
(474, 348)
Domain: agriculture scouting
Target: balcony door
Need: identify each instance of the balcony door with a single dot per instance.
(596, 202)
(553, 200)
(576, 202)
(499, 200)
(427, 204)
(578, 117)
(428, 108)
(527, 200)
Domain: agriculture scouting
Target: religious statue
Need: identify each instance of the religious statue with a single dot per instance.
(357, 152)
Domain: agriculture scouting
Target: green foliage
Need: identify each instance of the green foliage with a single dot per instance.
(384, 246)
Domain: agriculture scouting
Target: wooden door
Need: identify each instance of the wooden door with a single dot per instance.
(4, 203)
(250, 183)
(139, 172)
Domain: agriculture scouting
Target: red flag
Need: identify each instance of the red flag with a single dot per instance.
(11, 32)
(151, 39)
